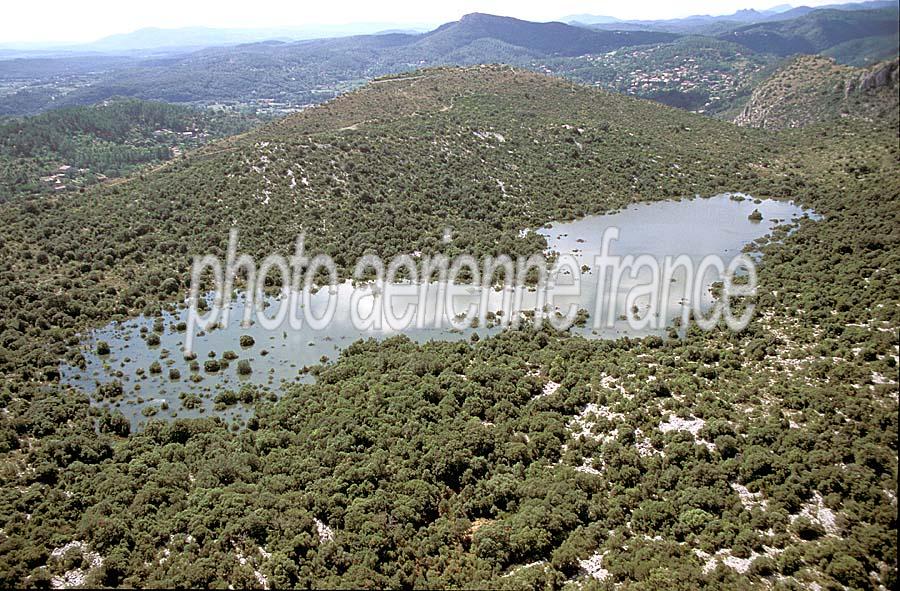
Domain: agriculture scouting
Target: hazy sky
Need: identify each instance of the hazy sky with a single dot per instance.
(88, 20)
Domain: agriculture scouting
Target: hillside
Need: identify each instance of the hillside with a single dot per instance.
(813, 89)
(69, 149)
(308, 72)
(387, 167)
(817, 31)
(549, 39)
(714, 25)
(711, 69)
(701, 74)
(532, 459)
(865, 51)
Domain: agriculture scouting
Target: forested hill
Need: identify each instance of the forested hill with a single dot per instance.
(546, 39)
(533, 459)
(278, 77)
(386, 167)
(68, 149)
(306, 72)
(813, 89)
(818, 31)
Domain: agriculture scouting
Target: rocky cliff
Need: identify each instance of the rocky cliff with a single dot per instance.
(813, 89)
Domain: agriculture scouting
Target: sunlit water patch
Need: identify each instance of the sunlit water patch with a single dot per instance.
(235, 363)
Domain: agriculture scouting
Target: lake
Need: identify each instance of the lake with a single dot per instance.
(694, 227)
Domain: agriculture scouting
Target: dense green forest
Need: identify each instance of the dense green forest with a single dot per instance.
(71, 148)
(533, 459)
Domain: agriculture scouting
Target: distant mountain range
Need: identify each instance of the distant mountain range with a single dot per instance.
(678, 24)
(815, 31)
(553, 37)
(709, 24)
(544, 38)
(716, 68)
(298, 71)
(152, 40)
(155, 40)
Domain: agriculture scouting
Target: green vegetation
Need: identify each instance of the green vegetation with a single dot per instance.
(69, 149)
(646, 462)
(286, 76)
(694, 73)
(814, 89)
(866, 51)
(820, 30)
(711, 69)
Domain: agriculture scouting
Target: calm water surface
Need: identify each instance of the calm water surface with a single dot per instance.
(695, 227)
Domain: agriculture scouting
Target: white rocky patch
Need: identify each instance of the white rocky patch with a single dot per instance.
(587, 467)
(878, 378)
(643, 445)
(76, 577)
(816, 511)
(326, 534)
(485, 135)
(524, 567)
(692, 425)
(582, 424)
(243, 560)
(735, 563)
(69, 580)
(612, 383)
(676, 423)
(550, 389)
(593, 567)
(749, 499)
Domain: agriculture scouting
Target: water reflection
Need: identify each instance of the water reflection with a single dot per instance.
(158, 381)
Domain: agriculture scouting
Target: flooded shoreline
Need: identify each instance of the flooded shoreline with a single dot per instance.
(148, 376)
